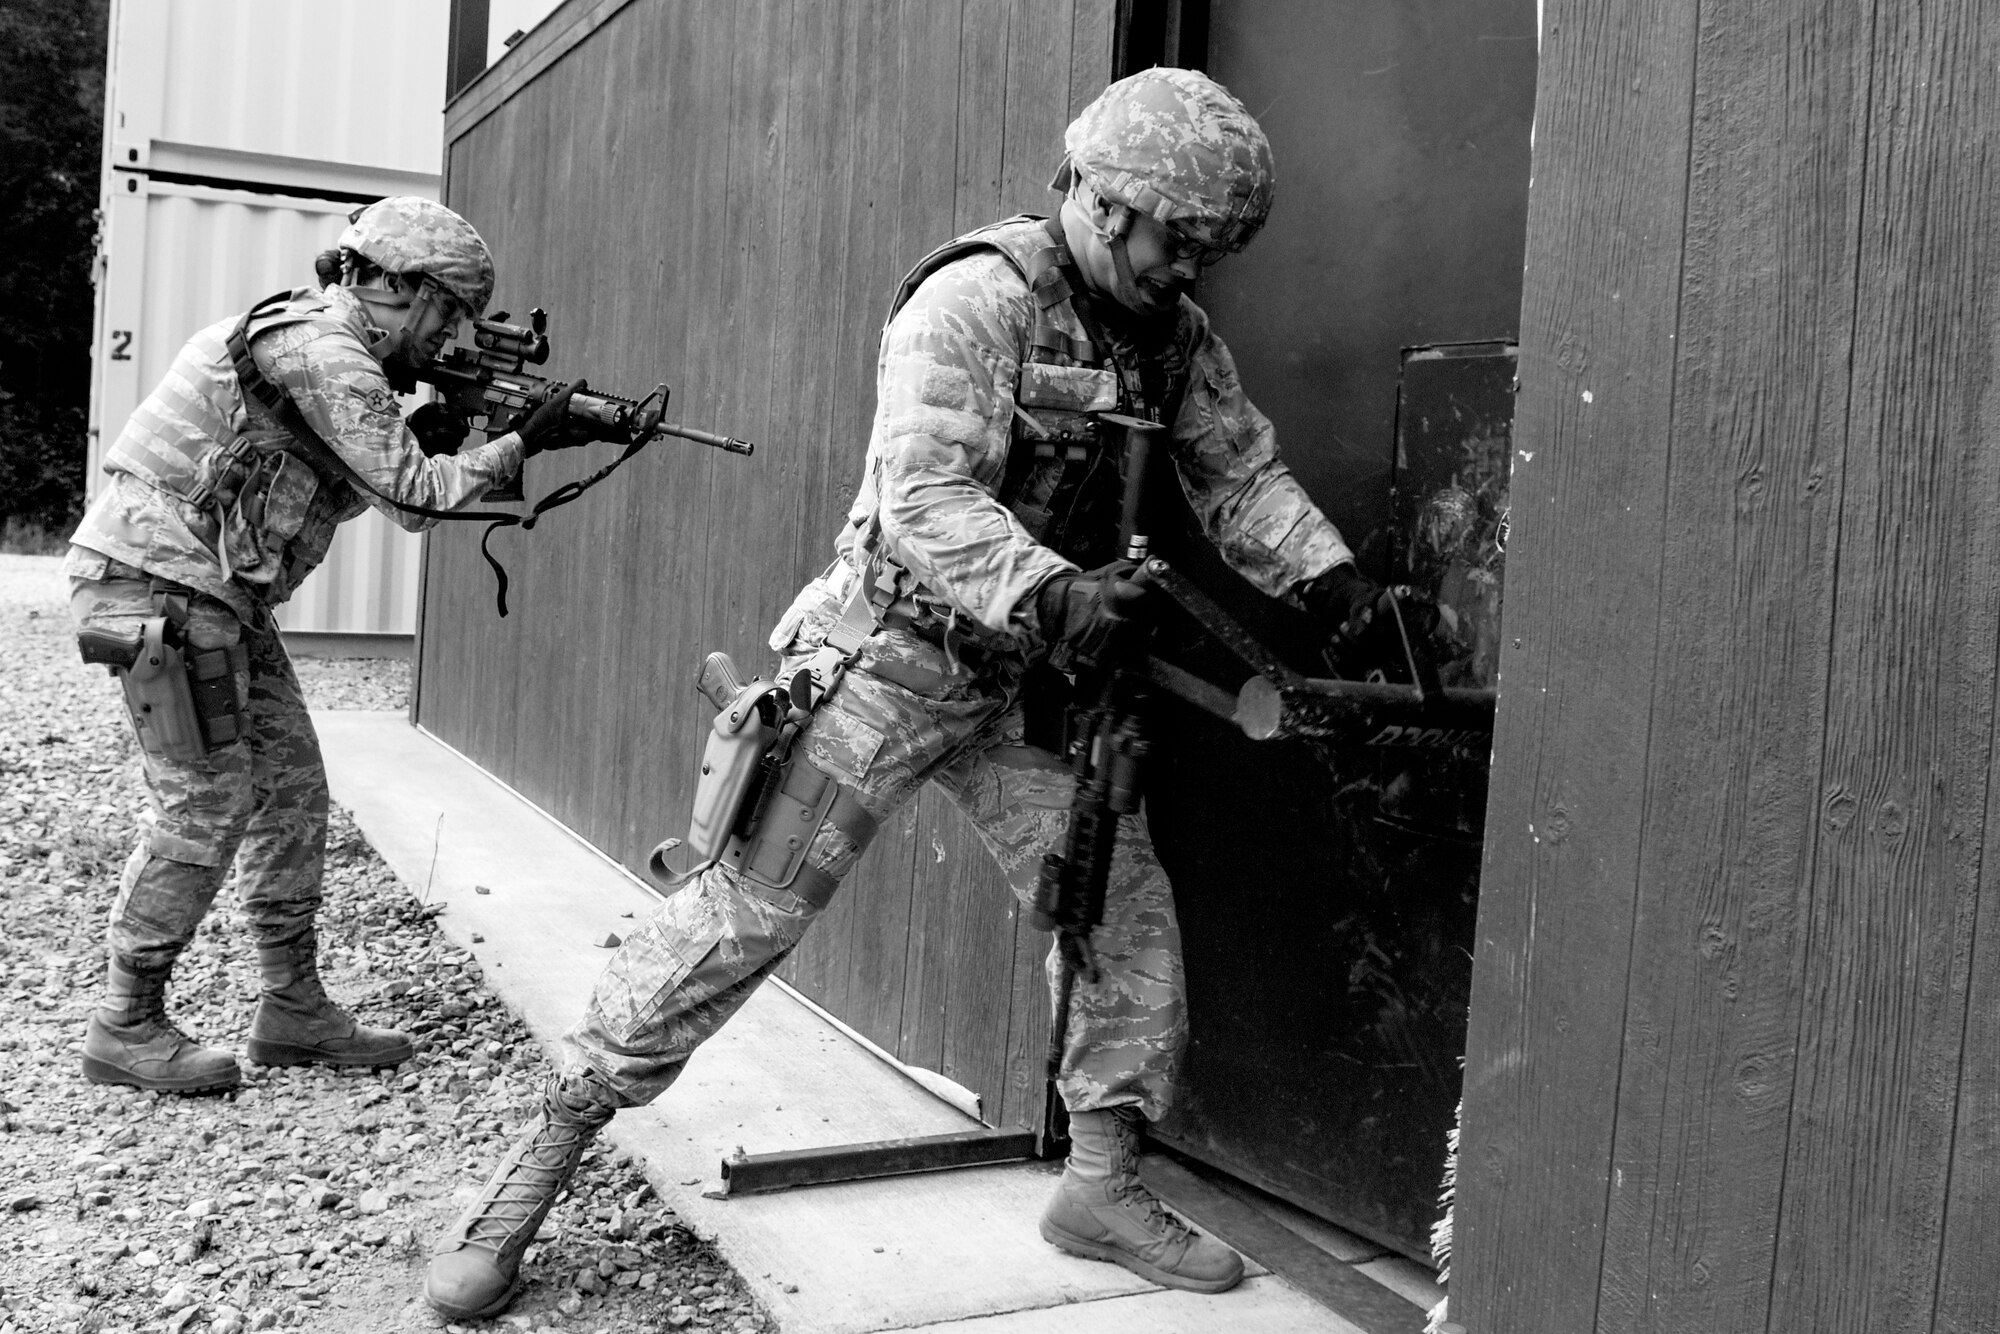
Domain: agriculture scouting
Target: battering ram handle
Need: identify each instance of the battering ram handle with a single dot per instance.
(1368, 713)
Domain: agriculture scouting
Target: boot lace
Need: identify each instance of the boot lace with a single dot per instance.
(530, 1184)
(156, 1027)
(1158, 1218)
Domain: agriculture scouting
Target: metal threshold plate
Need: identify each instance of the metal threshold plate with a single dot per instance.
(1333, 1284)
(755, 1173)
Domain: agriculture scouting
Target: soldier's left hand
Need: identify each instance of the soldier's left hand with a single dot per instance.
(547, 425)
(1344, 600)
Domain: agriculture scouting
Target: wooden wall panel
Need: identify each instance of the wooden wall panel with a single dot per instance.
(1038, 96)
(1746, 571)
(956, 890)
(1966, 1299)
(1730, 1063)
(723, 195)
(870, 927)
(1549, 965)
(1887, 947)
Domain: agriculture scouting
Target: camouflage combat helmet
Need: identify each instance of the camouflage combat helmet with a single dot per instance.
(1175, 145)
(407, 234)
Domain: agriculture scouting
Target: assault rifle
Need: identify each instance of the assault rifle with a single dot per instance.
(488, 381)
(1106, 746)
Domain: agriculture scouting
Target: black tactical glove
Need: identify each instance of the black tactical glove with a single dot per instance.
(1083, 615)
(438, 429)
(549, 426)
(1343, 599)
(1366, 639)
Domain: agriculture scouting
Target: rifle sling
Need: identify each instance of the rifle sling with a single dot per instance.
(328, 461)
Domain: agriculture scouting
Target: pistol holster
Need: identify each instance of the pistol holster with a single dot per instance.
(738, 741)
(183, 704)
(757, 803)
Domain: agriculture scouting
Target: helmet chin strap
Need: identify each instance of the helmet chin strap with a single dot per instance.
(1127, 292)
(391, 351)
(1125, 283)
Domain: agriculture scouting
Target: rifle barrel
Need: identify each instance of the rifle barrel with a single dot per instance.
(709, 438)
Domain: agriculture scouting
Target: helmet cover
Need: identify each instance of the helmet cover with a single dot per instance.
(407, 234)
(1177, 146)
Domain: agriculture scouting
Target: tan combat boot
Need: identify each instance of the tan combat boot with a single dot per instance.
(131, 1040)
(1102, 1211)
(296, 1023)
(476, 1266)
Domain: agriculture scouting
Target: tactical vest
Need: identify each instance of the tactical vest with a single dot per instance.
(1061, 477)
(195, 438)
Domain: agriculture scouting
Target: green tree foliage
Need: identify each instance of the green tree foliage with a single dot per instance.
(51, 130)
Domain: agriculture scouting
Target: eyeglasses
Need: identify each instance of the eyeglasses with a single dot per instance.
(446, 300)
(1182, 246)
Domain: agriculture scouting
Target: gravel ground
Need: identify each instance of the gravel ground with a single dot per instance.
(307, 1199)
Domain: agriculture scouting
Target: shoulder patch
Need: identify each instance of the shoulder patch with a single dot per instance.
(946, 387)
(378, 399)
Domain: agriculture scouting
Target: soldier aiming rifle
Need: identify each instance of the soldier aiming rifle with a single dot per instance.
(225, 489)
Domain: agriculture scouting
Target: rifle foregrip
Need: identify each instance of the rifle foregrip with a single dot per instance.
(110, 648)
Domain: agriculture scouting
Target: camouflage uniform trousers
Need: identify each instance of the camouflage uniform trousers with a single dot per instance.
(905, 715)
(259, 802)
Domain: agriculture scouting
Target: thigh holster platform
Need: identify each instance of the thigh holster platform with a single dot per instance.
(758, 804)
(183, 703)
(772, 850)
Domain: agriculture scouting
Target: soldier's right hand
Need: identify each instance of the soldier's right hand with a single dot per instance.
(1083, 614)
(438, 429)
(548, 425)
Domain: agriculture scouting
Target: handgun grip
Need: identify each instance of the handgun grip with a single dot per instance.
(719, 681)
(110, 647)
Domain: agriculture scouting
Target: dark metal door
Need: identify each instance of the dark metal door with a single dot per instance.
(1328, 917)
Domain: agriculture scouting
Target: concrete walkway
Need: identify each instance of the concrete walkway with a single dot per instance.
(955, 1250)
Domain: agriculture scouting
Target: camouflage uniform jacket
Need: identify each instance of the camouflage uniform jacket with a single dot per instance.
(210, 493)
(985, 386)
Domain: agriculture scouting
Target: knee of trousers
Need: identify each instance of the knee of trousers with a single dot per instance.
(294, 774)
(723, 928)
(199, 810)
(161, 900)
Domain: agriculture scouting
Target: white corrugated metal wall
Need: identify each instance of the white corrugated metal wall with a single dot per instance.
(238, 135)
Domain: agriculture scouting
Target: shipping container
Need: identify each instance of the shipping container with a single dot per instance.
(238, 137)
